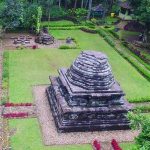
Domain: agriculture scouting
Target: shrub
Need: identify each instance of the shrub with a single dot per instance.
(115, 145)
(67, 47)
(34, 47)
(57, 12)
(110, 41)
(102, 32)
(143, 109)
(114, 33)
(89, 30)
(15, 115)
(19, 104)
(142, 123)
(80, 12)
(96, 145)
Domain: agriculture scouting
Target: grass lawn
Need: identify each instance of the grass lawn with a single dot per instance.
(60, 23)
(32, 67)
(34, 140)
(128, 146)
(31, 139)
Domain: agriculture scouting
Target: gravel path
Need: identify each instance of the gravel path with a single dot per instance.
(1, 119)
(52, 137)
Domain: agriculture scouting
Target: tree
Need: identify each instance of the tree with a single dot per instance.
(89, 9)
(142, 123)
(142, 13)
(39, 16)
(75, 4)
(59, 3)
(12, 14)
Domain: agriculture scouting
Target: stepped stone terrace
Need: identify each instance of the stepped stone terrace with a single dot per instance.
(86, 97)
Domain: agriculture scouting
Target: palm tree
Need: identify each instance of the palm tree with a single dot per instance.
(90, 7)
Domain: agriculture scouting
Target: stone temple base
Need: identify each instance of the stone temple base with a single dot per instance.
(86, 96)
(91, 119)
(49, 133)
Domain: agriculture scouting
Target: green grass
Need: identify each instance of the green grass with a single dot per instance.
(28, 68)
(28, 137)
(127, 146)
(34, 140)
(60, 23)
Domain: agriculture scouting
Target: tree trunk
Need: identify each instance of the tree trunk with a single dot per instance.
(75, 4)
(59, 3)
(89, 11)
(65, 4)
(86, 4)
(82, 2)
(49, 17)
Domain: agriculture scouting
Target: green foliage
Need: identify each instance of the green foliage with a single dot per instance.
(39, 16)
(30, 16)
(89, 30)
(143, 109)
(79, 13)
(67, 47)
(57, 12)
(61, 23)
(142, 123)
(110, 41)
(106, 37)
(12, 13)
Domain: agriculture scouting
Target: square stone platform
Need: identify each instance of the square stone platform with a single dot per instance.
(49, 132)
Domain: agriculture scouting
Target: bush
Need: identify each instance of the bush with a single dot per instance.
(57, 12)
(19, 104)
(114, 33)
(142, 123)
(81, 12)
(78, 13)
(115, 145)
(67, 47)
(107, 38)
(66, 28)
(143, 109)
(15, 115)
(102, 32)
(88, 30)
(110, 41)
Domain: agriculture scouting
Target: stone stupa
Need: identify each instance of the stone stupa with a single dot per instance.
(86, 97)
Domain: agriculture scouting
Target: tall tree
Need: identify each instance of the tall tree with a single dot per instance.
(59, 3)
(12, 14)
(142, 12)
(75, 4)
(89, 9)
(82, 2)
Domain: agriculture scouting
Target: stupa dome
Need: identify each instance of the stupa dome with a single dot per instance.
(91, 70)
